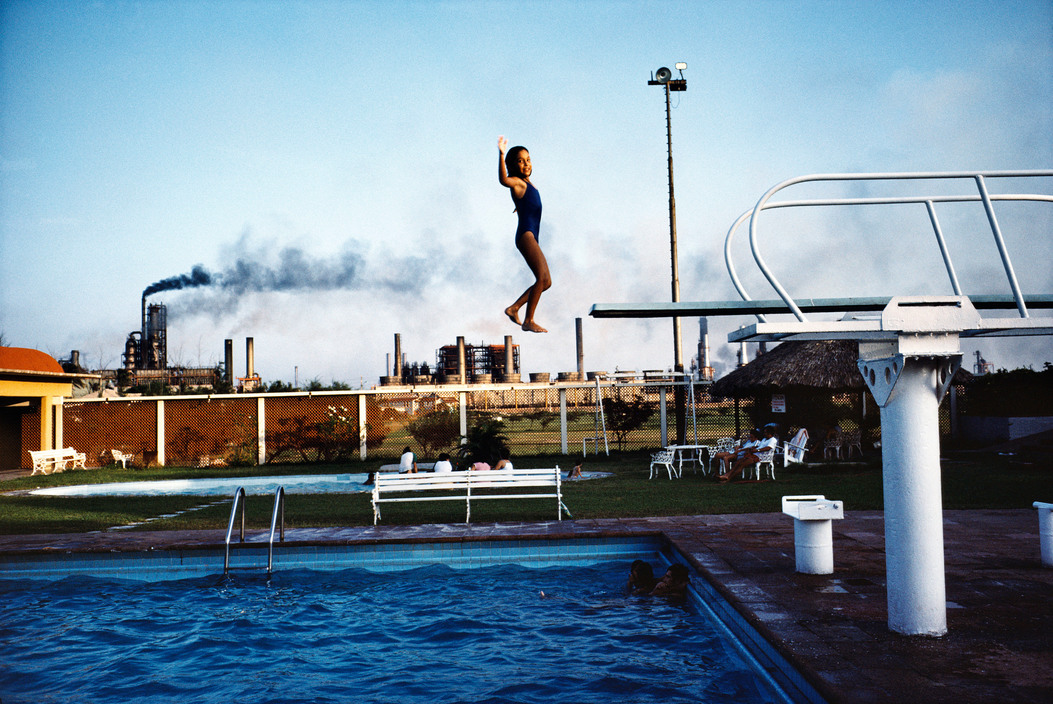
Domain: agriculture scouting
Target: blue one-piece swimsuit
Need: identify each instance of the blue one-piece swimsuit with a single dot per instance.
(529, 209)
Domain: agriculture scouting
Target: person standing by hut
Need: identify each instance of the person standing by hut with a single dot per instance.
(514, 170)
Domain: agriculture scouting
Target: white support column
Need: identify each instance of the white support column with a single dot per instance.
(161, 432)
(662, 415)
(59, 440)
(261, 431)
(563, 419)
(363, 426)
(910, 429)
(47, 423)
(909, 388)
(462, 402)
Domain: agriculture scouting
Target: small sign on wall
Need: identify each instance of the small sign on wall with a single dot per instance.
(778, 403)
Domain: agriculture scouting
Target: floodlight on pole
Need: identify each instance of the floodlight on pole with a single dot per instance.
(664, 77)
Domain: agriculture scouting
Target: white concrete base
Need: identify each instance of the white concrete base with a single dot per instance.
(1045, 531)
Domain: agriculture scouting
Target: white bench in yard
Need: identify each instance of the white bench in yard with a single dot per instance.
(467, 487)
(48, 461)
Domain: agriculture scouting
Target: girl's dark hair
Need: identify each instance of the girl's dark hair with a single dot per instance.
(643, 569)
(512, 161)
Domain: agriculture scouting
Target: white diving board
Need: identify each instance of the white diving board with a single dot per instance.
(777, 305)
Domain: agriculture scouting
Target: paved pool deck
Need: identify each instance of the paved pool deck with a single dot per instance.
(999, 645)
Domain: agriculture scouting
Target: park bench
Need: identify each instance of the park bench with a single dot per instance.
(469, 486)
(48, 461)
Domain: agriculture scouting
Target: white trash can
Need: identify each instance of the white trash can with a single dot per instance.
(813, 533)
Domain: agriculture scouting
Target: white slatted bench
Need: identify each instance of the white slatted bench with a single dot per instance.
(468, 486)
(48, 461)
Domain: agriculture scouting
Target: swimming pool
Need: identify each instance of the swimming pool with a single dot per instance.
(506, 632)
(294, 484)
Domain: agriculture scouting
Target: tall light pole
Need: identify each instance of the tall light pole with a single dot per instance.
(664, 77)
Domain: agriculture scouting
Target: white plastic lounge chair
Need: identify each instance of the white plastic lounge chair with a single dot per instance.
(793, 450)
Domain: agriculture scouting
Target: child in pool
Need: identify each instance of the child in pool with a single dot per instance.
(641, 578)
(673, 582)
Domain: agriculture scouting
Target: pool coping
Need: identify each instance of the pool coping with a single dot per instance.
(832, 628)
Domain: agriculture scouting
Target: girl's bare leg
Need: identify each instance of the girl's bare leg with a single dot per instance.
(535, 259)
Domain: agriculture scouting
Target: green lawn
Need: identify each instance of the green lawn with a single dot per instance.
(988, 482)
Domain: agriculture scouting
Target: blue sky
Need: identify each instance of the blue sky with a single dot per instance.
(332, 164)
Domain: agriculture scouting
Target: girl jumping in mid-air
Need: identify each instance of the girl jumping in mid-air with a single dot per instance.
(514, 171)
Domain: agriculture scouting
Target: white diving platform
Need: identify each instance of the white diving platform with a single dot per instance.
(909, 350)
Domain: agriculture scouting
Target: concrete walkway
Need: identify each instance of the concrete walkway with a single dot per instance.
(999, 647)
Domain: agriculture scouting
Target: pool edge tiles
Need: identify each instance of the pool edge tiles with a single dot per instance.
(197, 561)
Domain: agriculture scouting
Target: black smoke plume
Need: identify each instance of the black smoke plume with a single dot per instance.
(198, 276)
(292, 271)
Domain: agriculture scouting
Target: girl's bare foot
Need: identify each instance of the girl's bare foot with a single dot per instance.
(513, 314)
(531, 326)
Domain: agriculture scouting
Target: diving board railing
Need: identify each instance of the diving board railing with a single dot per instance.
(982, 195)
(786, 304)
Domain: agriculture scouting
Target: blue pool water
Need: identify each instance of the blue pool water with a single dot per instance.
(294, 484)
(504, 633)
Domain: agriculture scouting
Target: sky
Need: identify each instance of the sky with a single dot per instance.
(323, 174)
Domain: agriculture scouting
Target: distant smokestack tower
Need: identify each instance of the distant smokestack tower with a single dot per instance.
(396, 371)
(250, 358)
(228, 361)
(462, 362)
(581, 348)
(705, 367)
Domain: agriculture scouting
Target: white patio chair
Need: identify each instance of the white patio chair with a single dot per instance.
(663, 458)
(765, 458)
(723, 445)
(853, 439)
(832, 445)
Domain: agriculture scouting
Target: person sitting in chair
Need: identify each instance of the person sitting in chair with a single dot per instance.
(407, 463)
(752, 455)
(739, 451)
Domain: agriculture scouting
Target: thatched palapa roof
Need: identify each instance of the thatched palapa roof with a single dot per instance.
(824, 364)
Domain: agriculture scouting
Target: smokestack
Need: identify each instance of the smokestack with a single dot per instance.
(510, 360)
(228, 361)
(396, 371)
(462, 366)
(581, 348)
(704, 363)
(250, 358)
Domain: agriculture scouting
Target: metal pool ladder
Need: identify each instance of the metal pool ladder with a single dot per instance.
(279, 510)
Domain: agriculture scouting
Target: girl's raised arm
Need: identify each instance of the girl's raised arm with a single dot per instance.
(517, 184)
